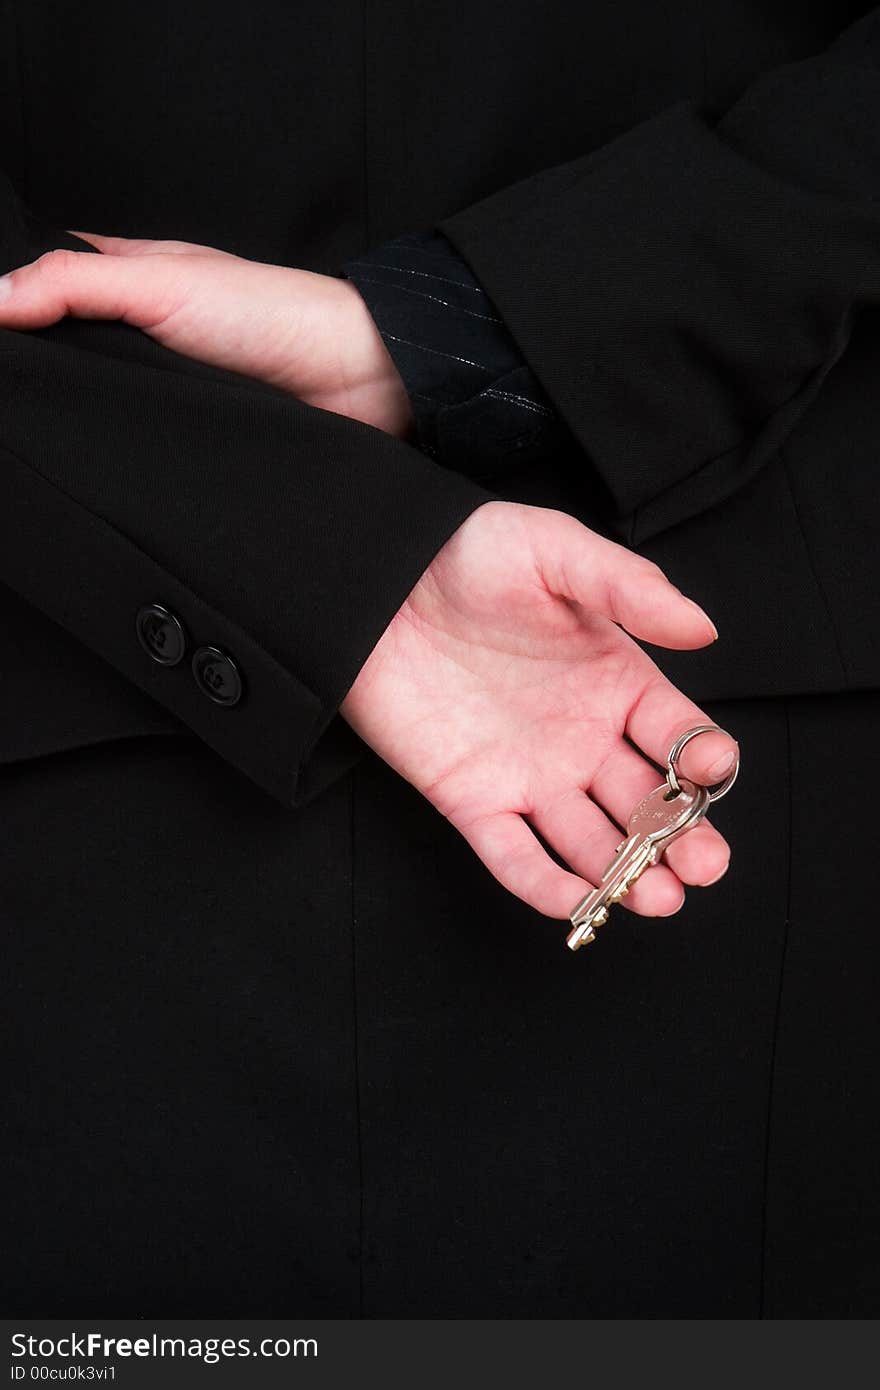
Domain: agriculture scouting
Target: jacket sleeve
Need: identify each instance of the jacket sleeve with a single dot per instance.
(682, 293)
(282, 539)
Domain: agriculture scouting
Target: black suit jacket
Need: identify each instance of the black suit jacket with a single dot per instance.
(682, 285)
(677, 211)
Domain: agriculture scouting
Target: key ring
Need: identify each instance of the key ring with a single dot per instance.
(671, 774)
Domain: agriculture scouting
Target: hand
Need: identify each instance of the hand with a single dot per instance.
(311, 335)
(504, 687)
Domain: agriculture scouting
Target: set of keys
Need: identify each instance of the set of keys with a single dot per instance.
(670, 810)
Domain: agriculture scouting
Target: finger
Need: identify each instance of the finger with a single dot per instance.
(629, 589)
(144, 246)
(700, 857)
(587, 840)
(520, 863)
(661, 714)
(92, 287)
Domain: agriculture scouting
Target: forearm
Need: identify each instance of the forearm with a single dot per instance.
(283, 535)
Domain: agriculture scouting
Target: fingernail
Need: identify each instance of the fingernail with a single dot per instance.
(709, 881)
(719, 770)
(5, 286)
(675, 909)
(703, 614)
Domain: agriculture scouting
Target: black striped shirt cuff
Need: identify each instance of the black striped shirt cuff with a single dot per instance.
(476, 403)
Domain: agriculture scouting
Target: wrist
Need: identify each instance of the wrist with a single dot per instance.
(376, 392)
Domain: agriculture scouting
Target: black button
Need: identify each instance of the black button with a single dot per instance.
(217, 675)
(161, 634)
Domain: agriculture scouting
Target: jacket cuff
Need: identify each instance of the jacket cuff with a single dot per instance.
(280, 542)
(683, 291)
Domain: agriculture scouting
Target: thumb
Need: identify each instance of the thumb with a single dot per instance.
(141, 291)
(604, 577)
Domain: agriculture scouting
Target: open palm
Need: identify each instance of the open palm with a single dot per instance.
(507, 692)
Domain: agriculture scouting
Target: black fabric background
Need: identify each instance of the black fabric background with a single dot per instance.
(278, 1061)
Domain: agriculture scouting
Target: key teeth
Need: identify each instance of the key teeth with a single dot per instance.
(577, 939)
(644, 846)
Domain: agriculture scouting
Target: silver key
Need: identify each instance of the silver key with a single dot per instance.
(657, 820)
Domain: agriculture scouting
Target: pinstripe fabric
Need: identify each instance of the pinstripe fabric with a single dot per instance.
(475, 400)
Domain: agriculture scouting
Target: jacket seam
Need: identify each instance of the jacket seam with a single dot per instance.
(18, 104)
(820, 588)
(777, 1014)
(365, 148)
(356, 1046)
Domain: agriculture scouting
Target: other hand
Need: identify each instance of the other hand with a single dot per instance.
(311, 335)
